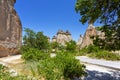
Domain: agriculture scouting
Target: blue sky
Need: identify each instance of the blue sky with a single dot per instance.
(49, 16)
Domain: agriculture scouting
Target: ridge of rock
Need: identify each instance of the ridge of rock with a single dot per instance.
(10, 29)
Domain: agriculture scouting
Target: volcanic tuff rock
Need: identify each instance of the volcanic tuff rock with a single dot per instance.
(10, 28)
(62, 37)
(91, 31)
(80, 40)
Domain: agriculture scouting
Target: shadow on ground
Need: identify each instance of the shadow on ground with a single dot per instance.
(95, 75)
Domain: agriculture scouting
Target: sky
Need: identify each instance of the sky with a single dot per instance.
(49, 16)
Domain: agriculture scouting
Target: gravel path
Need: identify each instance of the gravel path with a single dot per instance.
(101, 73)
(110, 64)
(101, 69)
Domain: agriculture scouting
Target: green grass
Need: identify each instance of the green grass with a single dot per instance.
(105, 55)
(96, 52)
(6, 75)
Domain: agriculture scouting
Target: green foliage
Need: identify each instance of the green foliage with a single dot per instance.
(89, 49)
(41, 41)
(29, 38)
(54, 45)
(34, 54)
(6, 75)
(106, 11)
(96, 52)
(62, 67)
(70, 66)
(71, 46)
(111, 39)
(105, 55)
(35, 40)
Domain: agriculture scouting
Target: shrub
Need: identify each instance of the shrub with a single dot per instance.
(105, 55)
(71, 67)
(71, 46)
(96, 52)
(63, 66)
(34, 54)
(88, 49)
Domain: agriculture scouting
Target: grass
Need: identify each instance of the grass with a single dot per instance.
(96, 52)
(105, 55)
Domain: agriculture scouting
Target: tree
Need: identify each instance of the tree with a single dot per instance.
(35, 40)
(54, 45)
(71, 46)
(106, 12)
(42, 41)
(29, 37)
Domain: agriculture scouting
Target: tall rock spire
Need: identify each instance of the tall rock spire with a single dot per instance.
(10, 28)
(91, 31)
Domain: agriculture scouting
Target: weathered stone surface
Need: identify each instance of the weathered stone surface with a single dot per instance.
(10, 28)
(62, 37)
(80, 40)
(91, 31)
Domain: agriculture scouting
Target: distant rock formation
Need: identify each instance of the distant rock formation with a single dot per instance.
(62, 37)
(80, 40)
(91, 31)
(10, 29)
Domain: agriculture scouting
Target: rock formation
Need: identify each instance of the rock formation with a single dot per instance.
(62, 37)
(80, 40)
(91, 31)
(10, 28)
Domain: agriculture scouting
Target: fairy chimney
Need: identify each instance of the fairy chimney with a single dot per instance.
(10, 29)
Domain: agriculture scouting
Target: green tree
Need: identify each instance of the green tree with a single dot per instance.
(41, 41)
(106, 12)
(29, 38)
(71, 46)
(35, 40)
(54, 45)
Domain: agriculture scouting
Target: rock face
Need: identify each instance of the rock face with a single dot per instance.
(80, 40)
(91, 31)
(10, 28)
(62, 37)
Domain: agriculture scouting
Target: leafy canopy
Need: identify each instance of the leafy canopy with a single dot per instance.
(35, 40)
(106, 11)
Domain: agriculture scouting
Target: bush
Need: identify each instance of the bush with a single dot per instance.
(71, 66)
(96, 52)
(34, 54)
(88, 49)
(71, 46)
(63, 66)
(105, 55)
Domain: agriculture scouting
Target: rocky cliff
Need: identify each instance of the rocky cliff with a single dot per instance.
(10, 28)
(62, 37)
(91, 31)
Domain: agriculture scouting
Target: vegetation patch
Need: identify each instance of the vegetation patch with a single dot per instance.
(96, 52)
(6, 75)
(61, 67)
